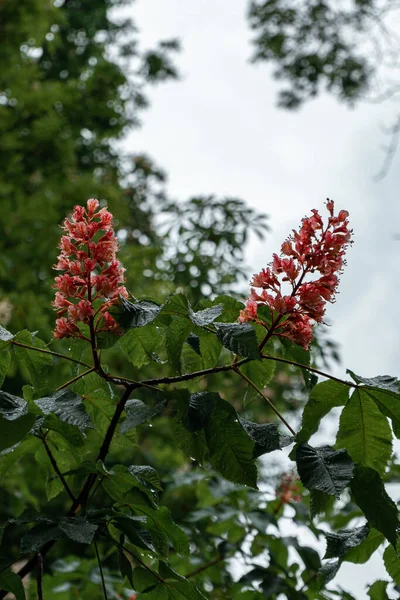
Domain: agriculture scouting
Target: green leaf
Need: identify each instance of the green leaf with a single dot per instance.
(365, 432)
(206, 316)
(140, 344)
(5, 359)
(323, 397)
(37, 363)
(11, 582)
(198, 410)
(361, 553)
(383, 382)
(137, 413)
(5, 338)
(121, 480)
(337, 544)
(230, 448)
(210, 349)
(177, 333)
(324, 468)
(15, 421)
(132, 528)
(266, 437)
(144, 580)
(320, 502)
(125, 566)
(379, 509)
(37, 537)
(176, 305)
(392, 563)
(240, 338)
(327, 572)
(230, 308)
(78, 529)
(388, 404)
(194, 342)
(68, 407)
(162, 521)
(260, 373)
(137, 314)
(377, 590)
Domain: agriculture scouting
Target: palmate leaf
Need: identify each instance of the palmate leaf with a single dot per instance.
(324, 469)
(370, 495)
(68, 407)
(323, 397)
(365, 432)
(338, 544)
(240, 338)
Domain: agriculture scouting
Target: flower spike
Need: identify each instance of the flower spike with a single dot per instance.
(93, 278)
(313, 249)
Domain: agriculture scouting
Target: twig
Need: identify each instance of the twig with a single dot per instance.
(55, 467)
(195, 374)
(276, 411)
(101, 571)
(205, 566)
(40, 576)
(71, 381)
(311, 369)
(43, 351)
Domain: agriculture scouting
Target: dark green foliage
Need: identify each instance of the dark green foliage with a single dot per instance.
(370, 495)
(338, 544)
(315, 46)
(324, 469)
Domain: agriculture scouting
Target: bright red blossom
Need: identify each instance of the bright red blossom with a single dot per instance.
(93, 277)
(312, 249)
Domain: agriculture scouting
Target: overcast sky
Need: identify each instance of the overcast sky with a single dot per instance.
(218, 131)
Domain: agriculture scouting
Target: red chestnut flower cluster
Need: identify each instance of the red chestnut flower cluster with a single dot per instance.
(93, 278)
(314, 249)
(289, 488)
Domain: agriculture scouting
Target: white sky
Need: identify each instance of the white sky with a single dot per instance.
(218, 131)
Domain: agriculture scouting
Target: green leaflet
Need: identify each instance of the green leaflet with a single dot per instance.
(140, 344)
(38, 364)
(365, 432)
(379, 509)
(11, 582)
(392, 563)
(230, 448)
(324, 469)
(5, 359)
(337, 544)
(260, 373)
(361, 553)
(377, 591)
(323, 397)
(240, 338)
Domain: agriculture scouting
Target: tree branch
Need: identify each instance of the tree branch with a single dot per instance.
(55, 467)
(58, 354)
